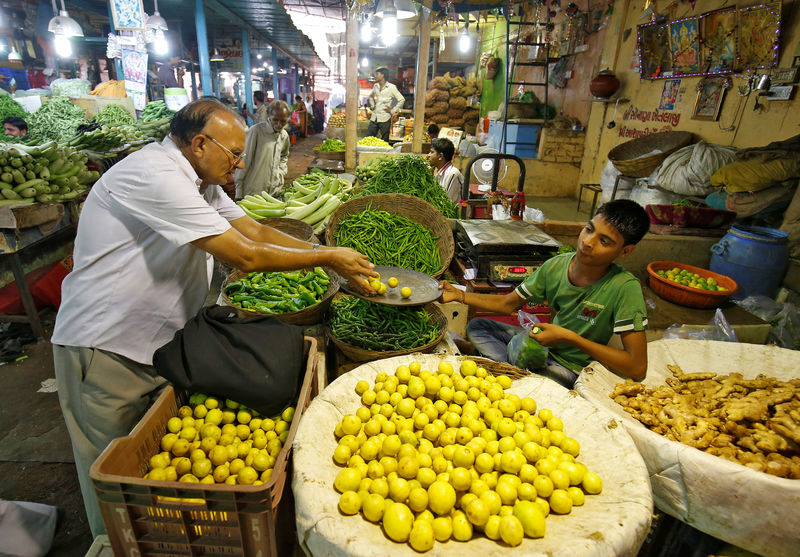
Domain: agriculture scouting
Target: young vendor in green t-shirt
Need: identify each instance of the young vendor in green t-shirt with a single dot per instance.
(592, 298)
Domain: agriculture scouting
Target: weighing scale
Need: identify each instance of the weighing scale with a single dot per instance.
(503, 250)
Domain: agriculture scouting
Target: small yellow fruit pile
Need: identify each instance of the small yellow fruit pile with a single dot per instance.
(209, 442)
(434, 455)
(381, 287)
(336, 120)
(370, 141)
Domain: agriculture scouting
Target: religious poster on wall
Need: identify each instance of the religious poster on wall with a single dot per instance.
(685, 46)
(719, 43)
(127, 14)
(134, 70)
(758, 35)
(654, 54)
(710, 93)
(669, 95)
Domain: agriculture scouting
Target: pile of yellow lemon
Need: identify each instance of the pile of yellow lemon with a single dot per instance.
(211, 442)
(381, 287)
(371, 141)
(435, 455)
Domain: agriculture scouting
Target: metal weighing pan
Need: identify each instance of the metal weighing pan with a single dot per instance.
(424, 288)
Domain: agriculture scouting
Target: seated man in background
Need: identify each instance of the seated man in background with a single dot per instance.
(15, 126)
(592, 298)
(441, 159)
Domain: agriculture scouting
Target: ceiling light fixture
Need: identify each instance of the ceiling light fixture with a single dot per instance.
(364, 61)
(389, 25)
(465, 41)
(62, 24)
(160, 44)
(258, 56)
(14, 56)
(403, 9)
(155, 22)
(366, 30)
(216, 57)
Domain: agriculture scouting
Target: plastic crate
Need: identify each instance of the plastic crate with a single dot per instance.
(146, 517)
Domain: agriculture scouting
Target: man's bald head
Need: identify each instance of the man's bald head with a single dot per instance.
(193, 118)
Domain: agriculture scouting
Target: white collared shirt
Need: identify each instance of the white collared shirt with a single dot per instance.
(383, 100)
(451, 179)
(137, 278)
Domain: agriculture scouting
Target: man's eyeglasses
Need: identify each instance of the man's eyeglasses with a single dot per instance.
(236, 158)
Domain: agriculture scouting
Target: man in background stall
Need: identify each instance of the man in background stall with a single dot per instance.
(15, 126)
(266, 153)
(170, 75)
(441, 160)
(381, 98)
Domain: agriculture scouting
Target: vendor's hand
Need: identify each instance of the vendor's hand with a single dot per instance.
(387, 109)
(549, 334)
(449, 292)
(353, 266)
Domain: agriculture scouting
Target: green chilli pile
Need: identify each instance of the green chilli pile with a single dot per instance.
(409, 174)
(380, 327)
(9, 108)
(156, 110)
(57, 120)
(331, 145)
(390, 240)
(113, 115)
(279, 292)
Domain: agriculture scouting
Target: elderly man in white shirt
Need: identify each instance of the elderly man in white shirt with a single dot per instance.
(441, 160)
(266, 154)
(146, 240)
(383, 93)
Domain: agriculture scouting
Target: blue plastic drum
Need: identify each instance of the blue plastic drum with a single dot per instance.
(755, 257)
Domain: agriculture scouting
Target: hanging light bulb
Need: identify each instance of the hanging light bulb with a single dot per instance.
(465, 41)
(155, 22)
(258, 56)
(364, 61)
(64, 25)
(366, 30)
(160, 44)
(62, 46)
(389, 25)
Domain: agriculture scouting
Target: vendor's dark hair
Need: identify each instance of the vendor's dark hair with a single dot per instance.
(444, 146)
(17, 122)
(433, 130)
(192, 118)
(259, 96)
(628, 217)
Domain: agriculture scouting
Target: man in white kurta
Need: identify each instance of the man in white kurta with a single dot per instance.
(143, 262)
(383, 95)
(266, 154)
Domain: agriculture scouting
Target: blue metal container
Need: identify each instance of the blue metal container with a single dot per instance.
(755, 257)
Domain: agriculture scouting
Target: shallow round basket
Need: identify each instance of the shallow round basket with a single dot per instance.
(293, 227)
(614, 522)
(308, 316)
(358, 354)
(329, 155)
(629, 157)
(686, 295)
(408, 206)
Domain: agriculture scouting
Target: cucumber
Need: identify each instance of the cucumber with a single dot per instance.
(10, 194)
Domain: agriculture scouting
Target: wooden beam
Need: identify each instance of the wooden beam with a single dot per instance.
(421, 79)
(351, 92)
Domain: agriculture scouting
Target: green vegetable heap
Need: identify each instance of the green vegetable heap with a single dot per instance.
(409, 174)
(106, 138)
(42, 173)
(390, 240)
(156, 110)
(113, 115)
(331, 145)
(9, 107)
(56, 120)
(380, 327)
(279, 292)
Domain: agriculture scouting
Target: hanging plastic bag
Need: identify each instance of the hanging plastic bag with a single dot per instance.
(523, 351)
(784, 319)
(717, 329)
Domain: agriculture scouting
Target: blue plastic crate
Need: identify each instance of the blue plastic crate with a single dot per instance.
(523, 151)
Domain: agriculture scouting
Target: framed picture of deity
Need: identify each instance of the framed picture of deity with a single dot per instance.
(757, 44)
(710, 93)
(684, 41)
(655, 59)
(718, 42)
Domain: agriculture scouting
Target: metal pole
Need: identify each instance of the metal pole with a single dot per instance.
(117, 61)
(275, 88)
(248, 80)
(202, 47)
(351, 94)
(422, 78)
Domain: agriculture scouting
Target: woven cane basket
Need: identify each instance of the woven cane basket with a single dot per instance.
(358, 354)
(408, 206)
(293, 227)
(629, 157)
(308, 316)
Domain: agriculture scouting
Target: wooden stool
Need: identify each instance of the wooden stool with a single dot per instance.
(595, 189)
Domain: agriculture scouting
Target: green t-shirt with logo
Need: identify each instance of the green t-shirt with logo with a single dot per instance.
(613, 304)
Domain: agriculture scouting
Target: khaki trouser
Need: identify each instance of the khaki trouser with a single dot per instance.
(103, 396)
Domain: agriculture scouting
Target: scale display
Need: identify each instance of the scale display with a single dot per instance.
(511, 272)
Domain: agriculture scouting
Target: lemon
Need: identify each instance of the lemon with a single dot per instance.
(221, 473)
(511, 530)
(544, 485)
(347, 480)
(462, 528)
(592, 484)
(399, 490)
(349, 503)
(418, 499)
(341, 454)
(405, 292)
(392, 282)
(492, 528)
(397, 522)
(478, 512)
(373, 507)
(441, 497)
(246, 476)
(560, 502)
(174, 425)
(560, 479)
(577, 496)
(421, 537)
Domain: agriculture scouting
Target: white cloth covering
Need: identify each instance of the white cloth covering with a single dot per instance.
(266, 161)
(137, 278)
(750, 509)
(614, 522)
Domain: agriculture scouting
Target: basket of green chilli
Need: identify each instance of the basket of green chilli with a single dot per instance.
(364, 331)
(300, 297)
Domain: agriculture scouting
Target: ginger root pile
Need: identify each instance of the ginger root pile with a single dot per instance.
(755, 422)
